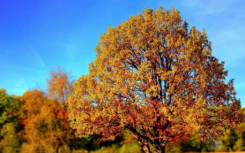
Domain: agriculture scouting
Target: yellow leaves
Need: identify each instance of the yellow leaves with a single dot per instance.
(150, 73)
(153, 90)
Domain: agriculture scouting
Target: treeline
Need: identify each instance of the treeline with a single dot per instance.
(37, 122)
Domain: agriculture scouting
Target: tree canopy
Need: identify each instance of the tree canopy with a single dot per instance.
(46, 122)
(156, 78)
(60, 84)
(10, 111)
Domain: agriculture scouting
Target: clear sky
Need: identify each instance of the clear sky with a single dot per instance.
(39, 35)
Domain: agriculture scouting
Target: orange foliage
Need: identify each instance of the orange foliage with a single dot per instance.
(59, 85)
(45, 120)
(63, 114)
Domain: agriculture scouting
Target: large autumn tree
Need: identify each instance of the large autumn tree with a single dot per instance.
(156, 78)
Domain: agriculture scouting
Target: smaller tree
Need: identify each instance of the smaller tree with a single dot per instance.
(11, 141)
(60, 84)
(4, 105)
(240, 143)
(233, 139)
(46, 127)
(10, 126)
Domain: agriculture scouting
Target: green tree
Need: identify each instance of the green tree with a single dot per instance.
(4, 105)
(228, 141)
(11, 141)
(233, 139)
(240, 143)
(157, 79)
(10, 123)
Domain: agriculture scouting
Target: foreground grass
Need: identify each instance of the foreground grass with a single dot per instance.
(126, 148)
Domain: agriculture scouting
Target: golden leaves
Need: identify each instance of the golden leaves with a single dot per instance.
(154, 77)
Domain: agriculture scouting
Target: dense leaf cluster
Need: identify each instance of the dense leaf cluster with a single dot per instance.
(156, 78)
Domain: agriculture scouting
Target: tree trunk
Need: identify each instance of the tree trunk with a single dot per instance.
(159, 149)
(144, 144)
(57, 146)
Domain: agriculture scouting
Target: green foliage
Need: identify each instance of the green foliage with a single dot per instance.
(4, 106)
(131, 147)
(10, 127)
(240, 143)
(11, 141)
(122, 144)
(193, 144)
(233, 140)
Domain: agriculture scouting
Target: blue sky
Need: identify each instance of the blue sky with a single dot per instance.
(37, 36)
